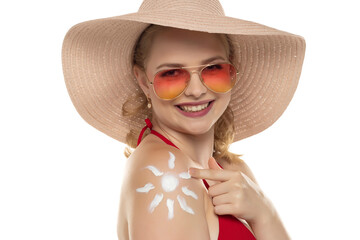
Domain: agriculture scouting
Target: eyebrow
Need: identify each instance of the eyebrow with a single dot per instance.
(181, 65)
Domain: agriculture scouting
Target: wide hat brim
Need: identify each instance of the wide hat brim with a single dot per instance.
(97, 65)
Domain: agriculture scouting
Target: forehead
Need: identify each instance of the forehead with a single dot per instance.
(184, 47)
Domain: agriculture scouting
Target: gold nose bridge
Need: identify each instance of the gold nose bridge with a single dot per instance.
(198, 73)
(191, 72)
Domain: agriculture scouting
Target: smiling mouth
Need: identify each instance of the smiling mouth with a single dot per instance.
(194, 108)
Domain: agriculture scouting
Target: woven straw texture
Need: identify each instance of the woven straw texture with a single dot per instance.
(97, 64)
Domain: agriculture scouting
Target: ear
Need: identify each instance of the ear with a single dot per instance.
(141, 79)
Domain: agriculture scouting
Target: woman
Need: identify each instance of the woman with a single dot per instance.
(199, 90)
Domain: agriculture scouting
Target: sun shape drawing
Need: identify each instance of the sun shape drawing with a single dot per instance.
(169, 183)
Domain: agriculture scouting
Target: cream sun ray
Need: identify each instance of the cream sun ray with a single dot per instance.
(184, 205)
(184, 175)
(170, 205)
(146, 188)
(155, 202)
(154, 170)
(171, 160)
(188, 192)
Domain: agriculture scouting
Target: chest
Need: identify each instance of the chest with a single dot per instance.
(211, 217)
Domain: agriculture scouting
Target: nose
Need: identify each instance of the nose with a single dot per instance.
(195, 87)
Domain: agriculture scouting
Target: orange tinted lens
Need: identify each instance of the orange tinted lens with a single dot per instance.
(219, 77)
(168, 84)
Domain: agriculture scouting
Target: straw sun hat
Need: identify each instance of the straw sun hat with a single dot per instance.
(97, 64)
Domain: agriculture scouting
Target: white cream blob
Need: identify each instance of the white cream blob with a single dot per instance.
(169, 182)
(188, 192)
(155, 171)
(146, 188)
(184, 205)
(170, 205)
(185, 175)
(171, 160)
(155, 202)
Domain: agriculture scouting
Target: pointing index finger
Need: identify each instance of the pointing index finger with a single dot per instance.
(211, 174)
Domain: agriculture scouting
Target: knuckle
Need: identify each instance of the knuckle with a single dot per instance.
(238, 185)
(238, 196)
(211, 190)
(215, 201)
(195, 171)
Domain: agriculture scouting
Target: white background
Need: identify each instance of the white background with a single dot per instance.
(60, 178)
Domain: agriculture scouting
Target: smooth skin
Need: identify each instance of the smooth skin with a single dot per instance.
(233, 189)
(195, 136)
(237, 194)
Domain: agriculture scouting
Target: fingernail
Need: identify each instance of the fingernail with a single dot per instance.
(191, 171)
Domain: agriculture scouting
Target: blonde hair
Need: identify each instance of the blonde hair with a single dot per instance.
(224, 126)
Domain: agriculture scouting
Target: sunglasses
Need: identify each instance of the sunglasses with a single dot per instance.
(171, 83)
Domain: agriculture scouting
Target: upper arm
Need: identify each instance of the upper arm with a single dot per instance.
(166, 203)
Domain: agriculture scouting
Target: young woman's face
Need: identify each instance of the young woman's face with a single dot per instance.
(188, 48)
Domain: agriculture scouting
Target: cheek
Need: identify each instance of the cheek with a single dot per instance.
(222, 103)
(224, 100)
(228, 98)
(162, 108)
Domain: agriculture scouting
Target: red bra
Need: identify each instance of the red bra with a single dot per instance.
(229, 226)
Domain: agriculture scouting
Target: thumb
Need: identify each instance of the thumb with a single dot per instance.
(213, 164)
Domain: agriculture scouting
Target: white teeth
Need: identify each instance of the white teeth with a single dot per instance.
(194, 108)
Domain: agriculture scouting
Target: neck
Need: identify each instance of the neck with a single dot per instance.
(199, 148)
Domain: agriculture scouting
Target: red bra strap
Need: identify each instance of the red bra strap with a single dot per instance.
(163, 138)
(149, 125)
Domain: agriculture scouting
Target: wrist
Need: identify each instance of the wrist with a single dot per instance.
(268, 225)
(266, 216)
(264, 219)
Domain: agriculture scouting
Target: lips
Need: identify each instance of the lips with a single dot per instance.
(196, 114)
(194, 103)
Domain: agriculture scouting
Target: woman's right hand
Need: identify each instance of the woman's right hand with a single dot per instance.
(236, 194)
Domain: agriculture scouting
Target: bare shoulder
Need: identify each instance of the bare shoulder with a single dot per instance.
(164, 202)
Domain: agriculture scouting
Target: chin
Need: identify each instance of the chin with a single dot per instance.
(198, 128)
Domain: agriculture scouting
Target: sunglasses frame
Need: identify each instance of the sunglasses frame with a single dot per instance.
(190, 73)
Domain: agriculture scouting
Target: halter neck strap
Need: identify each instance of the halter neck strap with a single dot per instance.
(149, 125)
